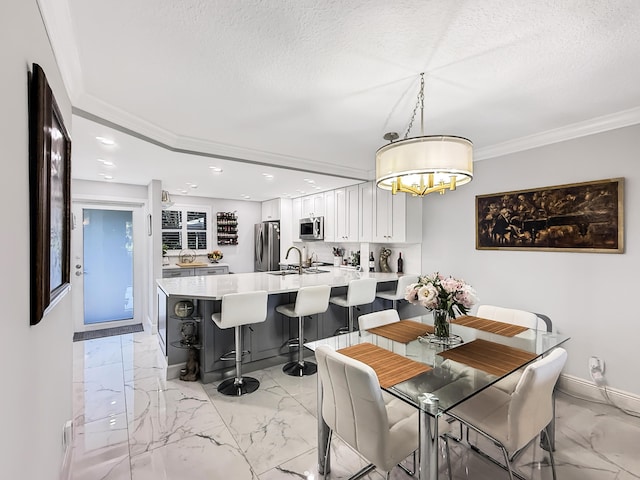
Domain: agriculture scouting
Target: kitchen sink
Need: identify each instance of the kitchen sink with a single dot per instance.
(315, 270)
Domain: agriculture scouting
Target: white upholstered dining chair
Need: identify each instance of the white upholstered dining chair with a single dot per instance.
(377, 319)
(510, 315)
(382, 428)
(512, 421)
(513, 317)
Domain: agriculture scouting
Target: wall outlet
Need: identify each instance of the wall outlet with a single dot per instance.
(596, 370)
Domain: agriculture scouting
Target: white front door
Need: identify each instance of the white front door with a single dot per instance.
(105, 270)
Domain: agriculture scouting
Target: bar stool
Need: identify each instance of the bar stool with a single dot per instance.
(240, 309)
(309, 301)
(359, 292)
(400, 291)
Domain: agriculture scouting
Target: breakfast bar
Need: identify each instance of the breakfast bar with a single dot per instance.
(266, 342)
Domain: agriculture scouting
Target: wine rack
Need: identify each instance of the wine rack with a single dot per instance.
(227, 226)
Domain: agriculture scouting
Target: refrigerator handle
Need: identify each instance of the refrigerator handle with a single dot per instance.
(257, 245)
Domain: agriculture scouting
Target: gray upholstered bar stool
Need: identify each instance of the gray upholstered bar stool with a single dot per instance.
(309, 301)
(240, 309)
(400, 290)
(359, 292)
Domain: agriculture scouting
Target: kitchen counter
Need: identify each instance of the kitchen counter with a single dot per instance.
(267, 341)
(219, 264)
(214, 287)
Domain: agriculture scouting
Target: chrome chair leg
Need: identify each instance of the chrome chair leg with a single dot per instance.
(552, 460)
(407, 471)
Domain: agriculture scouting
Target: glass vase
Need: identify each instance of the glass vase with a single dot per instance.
(441, 326)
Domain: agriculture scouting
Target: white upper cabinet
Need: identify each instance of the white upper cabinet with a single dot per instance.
(329, 216)
(271, 210)
(347, 214)
(313, 205)
(365, 220)
(397, 218)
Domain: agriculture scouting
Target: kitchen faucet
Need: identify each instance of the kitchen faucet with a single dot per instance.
(299, 258)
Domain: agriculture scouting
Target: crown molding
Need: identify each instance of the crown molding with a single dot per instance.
(568, 132)
(105, 114)
(56, 17)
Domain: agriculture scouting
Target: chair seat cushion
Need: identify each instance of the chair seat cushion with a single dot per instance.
(288, 310)
(489, 411)
(389, 295)
(339, 300)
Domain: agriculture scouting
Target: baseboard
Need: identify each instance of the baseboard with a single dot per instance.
(173, 371)
(589, 390)
(149, 326)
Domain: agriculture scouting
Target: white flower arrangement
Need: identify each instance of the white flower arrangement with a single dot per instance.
(437, 292)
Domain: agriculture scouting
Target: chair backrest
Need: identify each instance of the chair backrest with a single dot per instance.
(361, 291)
(531, 407)
(509, 315)
(243, 308)
(352, 403)
(312, 300)
(404, 281)
(377, 319)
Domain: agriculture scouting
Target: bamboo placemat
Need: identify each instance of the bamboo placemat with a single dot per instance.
(390, 367)
(403, 331)
(491, 326)
(489, 357)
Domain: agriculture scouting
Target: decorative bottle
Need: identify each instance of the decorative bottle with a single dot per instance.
(400, 263)
(372, 262)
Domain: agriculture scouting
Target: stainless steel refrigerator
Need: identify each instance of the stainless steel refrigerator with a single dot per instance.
(267, 246)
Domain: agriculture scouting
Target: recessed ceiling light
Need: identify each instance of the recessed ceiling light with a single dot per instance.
(108, 163)
(267, 176)
(300, 191)
(215, 169)
(105, 141)
(108, 177)
(184, 192)
(308, 180)
(193, 185)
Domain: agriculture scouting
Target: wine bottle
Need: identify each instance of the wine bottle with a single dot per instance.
(400, 263)
(372, 262)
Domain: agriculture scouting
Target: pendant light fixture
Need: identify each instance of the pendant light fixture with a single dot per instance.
(425, 164)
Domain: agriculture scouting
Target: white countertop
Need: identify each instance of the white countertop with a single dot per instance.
(174, 266)
(213, 287)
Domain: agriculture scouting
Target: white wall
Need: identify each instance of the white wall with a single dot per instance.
(37, 361)
(591, 297)
(239, 257)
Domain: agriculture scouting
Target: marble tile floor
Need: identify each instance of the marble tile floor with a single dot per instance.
(132, 424)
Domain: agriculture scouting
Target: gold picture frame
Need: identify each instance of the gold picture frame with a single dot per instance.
(577, 217)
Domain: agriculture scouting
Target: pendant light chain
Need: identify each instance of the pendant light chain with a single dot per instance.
(419, 103)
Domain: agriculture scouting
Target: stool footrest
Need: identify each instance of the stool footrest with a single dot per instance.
(231, 355)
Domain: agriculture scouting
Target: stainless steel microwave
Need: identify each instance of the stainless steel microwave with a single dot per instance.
(312, 228)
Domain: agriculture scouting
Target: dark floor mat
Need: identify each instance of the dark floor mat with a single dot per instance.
(107, 332)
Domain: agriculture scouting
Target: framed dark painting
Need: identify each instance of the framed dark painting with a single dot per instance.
(578, 217)
(49, 197)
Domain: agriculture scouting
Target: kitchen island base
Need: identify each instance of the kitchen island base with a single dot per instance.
(266, 343)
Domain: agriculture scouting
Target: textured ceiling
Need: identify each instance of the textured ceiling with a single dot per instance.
(316, 84)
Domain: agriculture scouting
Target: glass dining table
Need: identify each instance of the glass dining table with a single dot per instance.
(454, 373)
